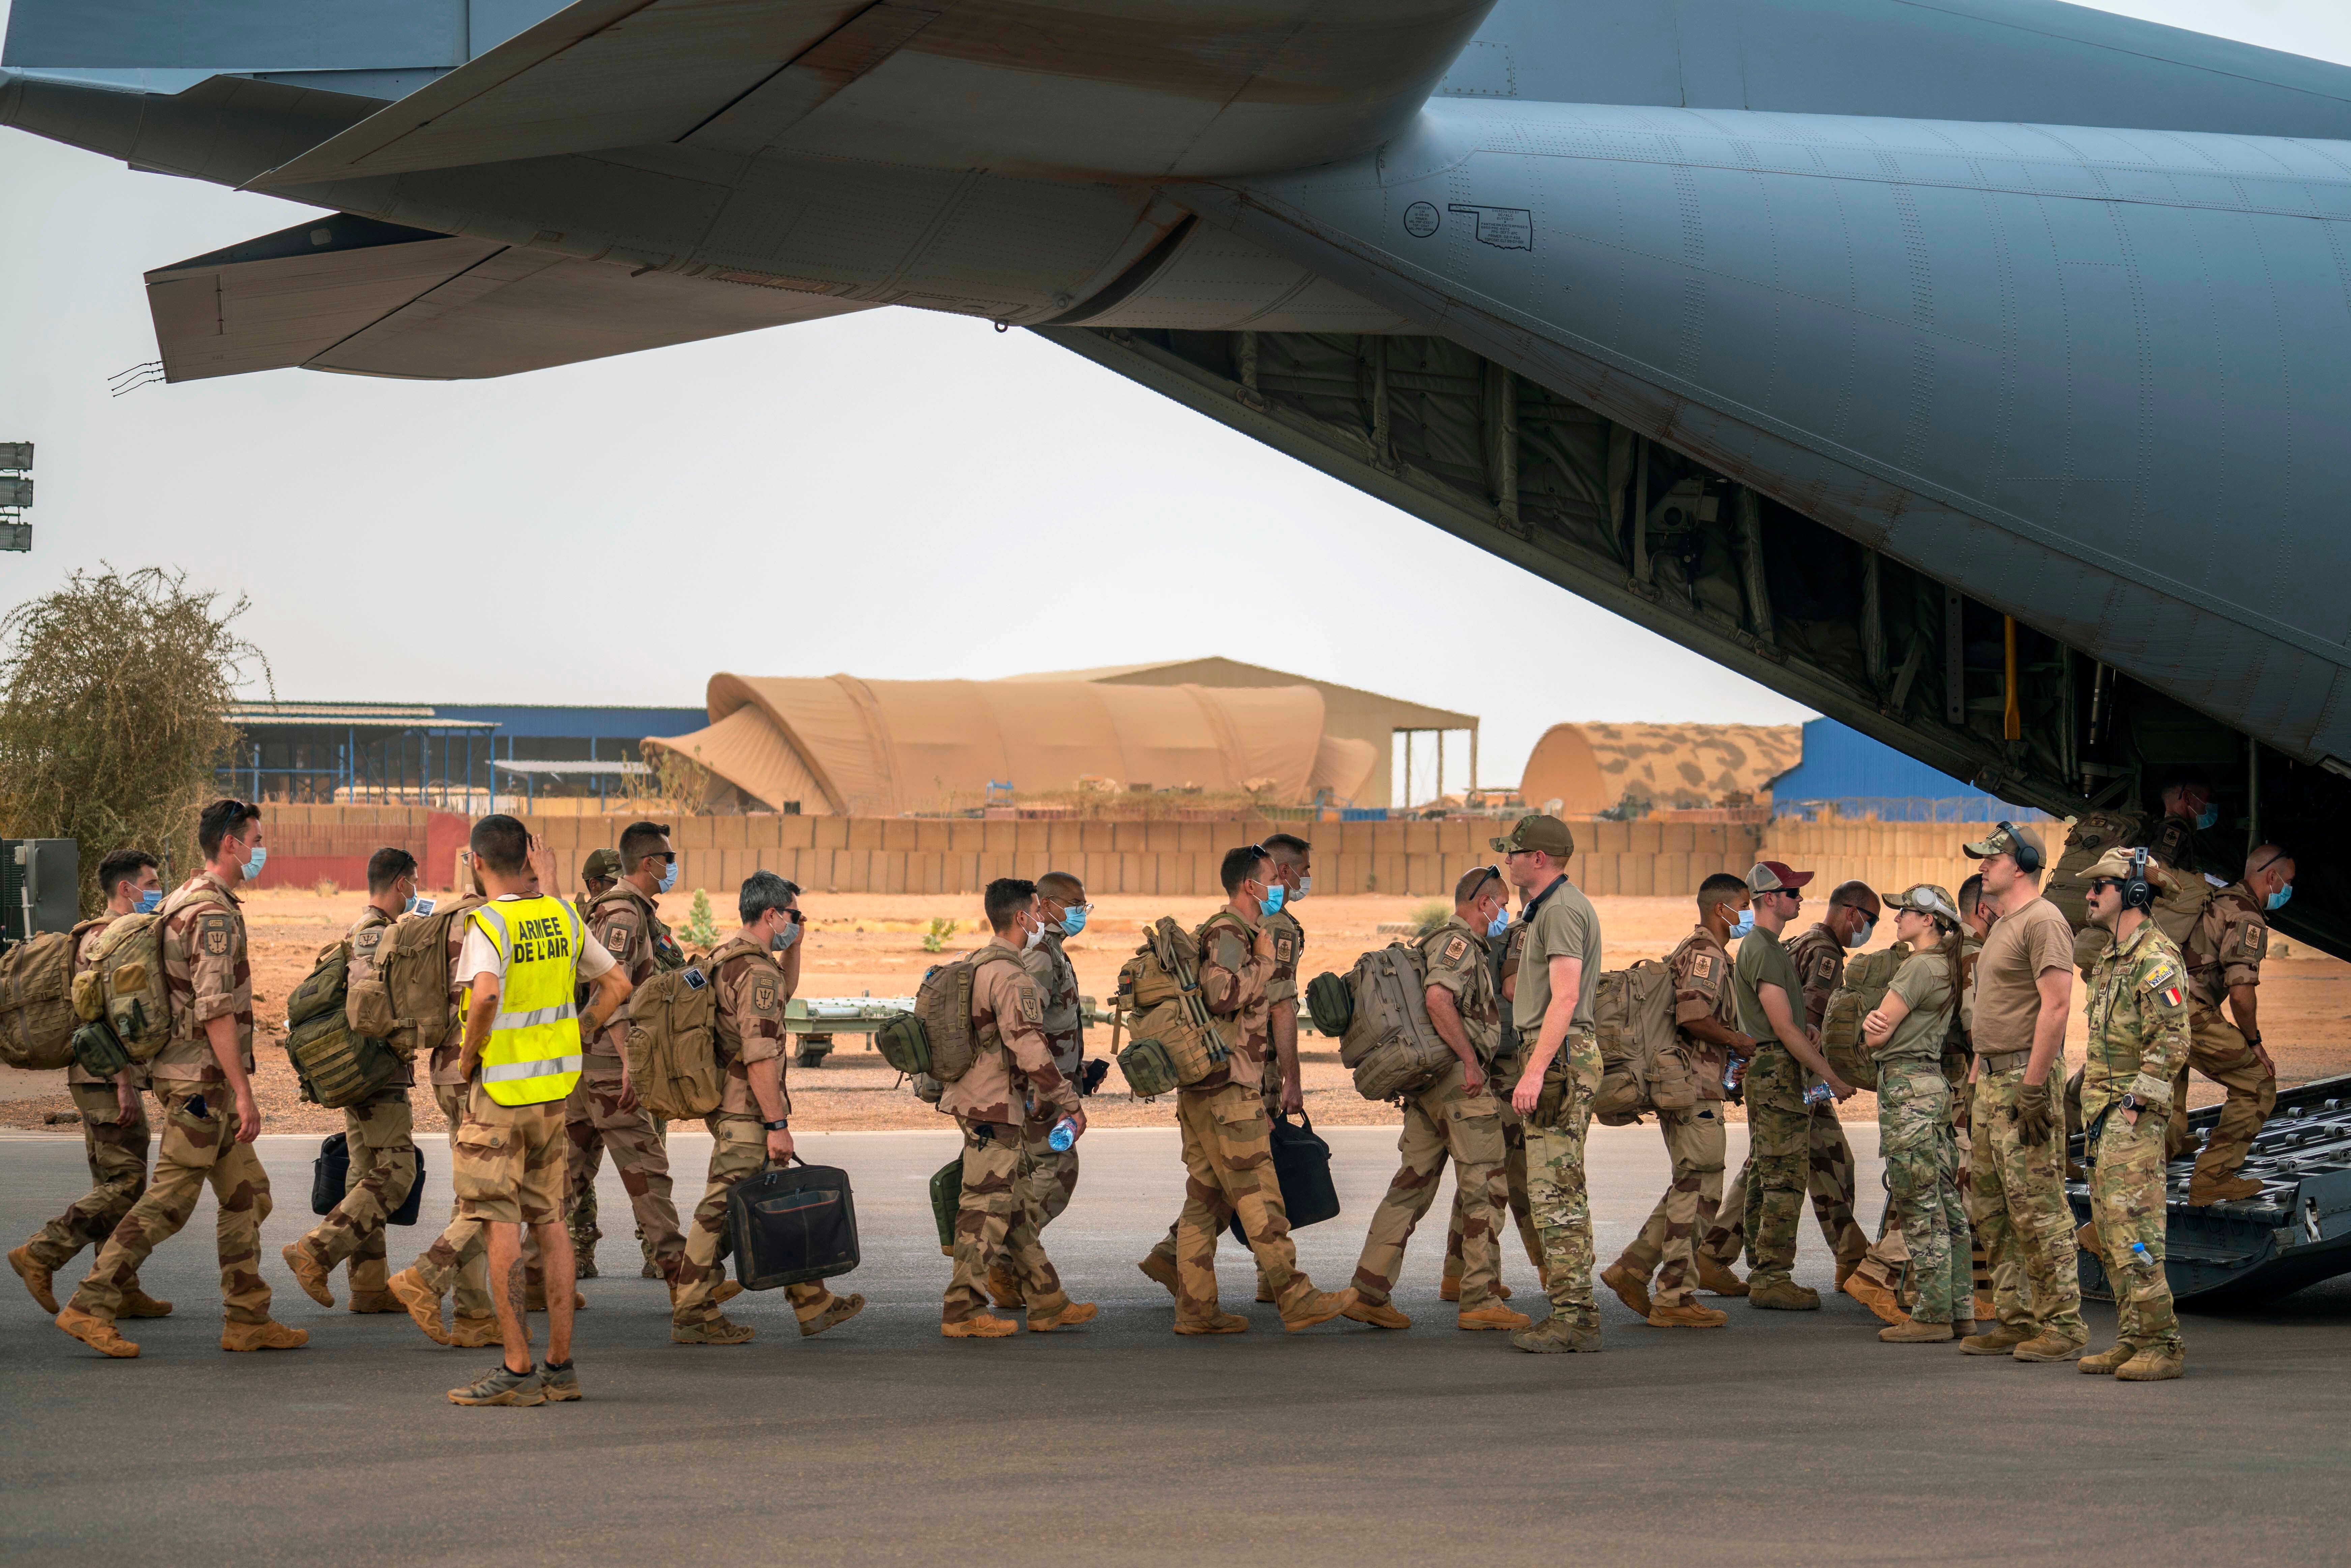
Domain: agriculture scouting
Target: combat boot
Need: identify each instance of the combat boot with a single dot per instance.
(36, 1276)
(2106, 1363)
(1910, 1330)
(1316, 1307)
(1379, 1315)
(138, 1304)
(1557, 1336)
(716, 1331)
(1864, 1286)
(97, 1332)
(422, 1302)
(1264, 1291)
(1999, 1339)
(2049, 1347)
(309, 1273)
(1687, 1316)
(2203, 1192)
(372, 1302)
(1716, 1280)
(1002, 1288)
(1987, 1310)
(475, 1333)
(980, 1325)
(1069, 1317)
(1159, 1270)
(1493, 1316)
(1223, 1323)
(1631, 1289)
(2088, 1240)
(2155, 1363)
(832, 1313)
(266, 1334)
(1783, 1296)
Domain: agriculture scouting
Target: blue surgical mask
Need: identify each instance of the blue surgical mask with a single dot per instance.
(1073, 921)
(2209, 817)
(784, 938)
(1271, 902)
(1745, 924)
(255, 861)
(2277, 900)
(669, 876)
(1499, 924)
(1860, 938)
(151, 900)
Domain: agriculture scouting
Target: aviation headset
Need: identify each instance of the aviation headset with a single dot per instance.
(2136, 892)
(2027, 857)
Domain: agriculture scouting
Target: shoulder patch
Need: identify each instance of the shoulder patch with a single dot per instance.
(763, 994)
(213, 934)
(617, 942)
(1455, 947)
(1702, 967)
(1032, 1006)
(1284, 950)
(2256, 939)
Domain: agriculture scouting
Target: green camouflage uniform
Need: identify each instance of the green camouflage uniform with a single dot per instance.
(1778, 1122)
(1915, 1135)
(2139, 1043)
(1562, 923)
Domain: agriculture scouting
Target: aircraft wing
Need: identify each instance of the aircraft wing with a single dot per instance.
(374, 298)
(1119, 87)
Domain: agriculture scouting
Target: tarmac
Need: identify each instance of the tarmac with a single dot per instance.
(1787, 1437)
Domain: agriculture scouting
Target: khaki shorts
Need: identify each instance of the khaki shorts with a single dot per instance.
(509, 1163)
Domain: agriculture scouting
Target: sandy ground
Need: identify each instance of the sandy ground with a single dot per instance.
(872, 944)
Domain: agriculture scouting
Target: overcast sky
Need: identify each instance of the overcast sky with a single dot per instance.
(896, 494)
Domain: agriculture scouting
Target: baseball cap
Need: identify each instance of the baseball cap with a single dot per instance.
(2115, 865)
(602, 865)
(2004, 839)
(1927, 899)
(1538, 831)
(1775, 877)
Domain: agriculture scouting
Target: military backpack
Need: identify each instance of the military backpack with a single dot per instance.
(123, 993)
(1175, 1040)
(336, 1065)
(36, 1010)
(405, 1001)
(1390, 1045)
(1641, 1068)
(1850, 1055)
(936, 1039)
(673, 1044)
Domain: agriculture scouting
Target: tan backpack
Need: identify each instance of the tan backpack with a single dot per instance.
(37, 1012)
(123, 989)
(1176, 1041)
(1389, 1042)
(405, 1002)
(936, 1039)
(673, 1045)
(2087, 837)
(1632, 1014)
(1863, 987)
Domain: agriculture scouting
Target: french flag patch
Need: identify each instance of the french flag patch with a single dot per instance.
(2171, 996)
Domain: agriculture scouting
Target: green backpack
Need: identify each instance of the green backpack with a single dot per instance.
(1863, 987)
(337, 1065)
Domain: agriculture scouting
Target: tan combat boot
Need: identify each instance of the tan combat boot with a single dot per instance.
(1987, 1310)
(980, 1325)
(36, 1277)
(308, 1273)
(1998, 1340)
(1865, 1285)
(422, 1303)
(1379, 1315)
(2049, 1347)
(1159, 1271)
(1556, 1336)
(1003, 1289)
(1494, 1316)
(2088, 1240)
(475, 1334)
(1223, 1323)
(1316, 1307)
(97, 1332)
(2155, 1363)
(830, 1312)
(1783, 1296)
(2204, 1191)
(714, 1330)
(1631, 1289)
(266, 1334)
(2106, 1363)
(1264, 1289)
(1069, 1317)
(1687, 1316)
(373, 1302)
(138, 1304)
(1910, 1330)
(1716, 1280)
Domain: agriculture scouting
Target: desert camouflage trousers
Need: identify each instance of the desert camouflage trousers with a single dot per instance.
(379, 1135)
(1922, 1188)
(116, 1148)
(1668, 1245)
(1229, 1171)
(580, 1218)
(199, 1148)
(1440, 1121)
(738, 1150)
(1556, 1194)
(596, 1123)
(458, 1259)
(2217, 1051)
(2020, 1191)
(1514, 1180)
(2126, 1205)
(1826, 1161)
(1051, 1174)
(996, 1222)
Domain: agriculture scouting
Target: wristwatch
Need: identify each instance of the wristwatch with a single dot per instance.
(2133, 1102)
(780, 1125)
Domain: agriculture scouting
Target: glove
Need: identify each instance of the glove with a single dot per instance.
(2032, 1123)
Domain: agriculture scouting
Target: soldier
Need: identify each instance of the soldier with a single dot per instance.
(597, 873)
(604, 1112)
(1509, 1061)
(2139, 1044)
(113, 1119)
(2023, 989)
(1051, 1174)
(1707, 1042)
(1770, 996)
(203, 1080)
(998, 1215)
(1227, 1139)
(2225, 949)
(1908, 1034)
(1456, 1114)
(755, 970)
(1558, 976)
(2188, 813)
(1293, 875)
(377, 1132)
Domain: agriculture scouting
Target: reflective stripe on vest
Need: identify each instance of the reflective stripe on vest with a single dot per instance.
(533, 1053)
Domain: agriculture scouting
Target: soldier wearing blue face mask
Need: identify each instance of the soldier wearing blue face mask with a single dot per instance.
(2224, 951)
(1051, 1174)
(2188, 811)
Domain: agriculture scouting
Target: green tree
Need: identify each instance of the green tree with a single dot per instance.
(700, 929)
(114, 696)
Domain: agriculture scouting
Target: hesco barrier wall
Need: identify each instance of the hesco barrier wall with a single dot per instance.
(901, 854)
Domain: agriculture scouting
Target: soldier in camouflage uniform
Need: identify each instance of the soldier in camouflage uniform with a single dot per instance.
(997, 1216)
(114, 1132)
(1707, 1040)
(755, 970)
(597, 873)
(379, 1132)
(1457, 1115)
(2139, 1039)
(603, 1113)
(204, 1080)
(1509, 1061)
(1051, 1174)
(1557, 980)
(1283, 1087)
(1227, 1140)
(2224, 953)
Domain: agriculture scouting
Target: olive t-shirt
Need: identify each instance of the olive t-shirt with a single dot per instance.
(1561, 924)
(1924, 983)
(1764, 961)
(2020, 947)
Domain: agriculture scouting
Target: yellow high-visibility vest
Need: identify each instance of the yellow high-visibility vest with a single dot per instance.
(533, 1054)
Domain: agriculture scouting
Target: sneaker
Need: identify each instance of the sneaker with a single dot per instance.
(2106, 1363)
(980, 1325)
(1998, 1341)
(2049, 1347)
(138, 1304)
(1913, 1332)
(713, 1331)
(1379, 1315)
(97, 1332)
(2155, 1363)
(836, 1310)
(1687, 1316)
(1493, 1315)
(36, 1276)
(1783, 1296)
(424, 1304)
(1223, 1323)
(1316, 1307)
(1160, 1271)
(501, 1387)
(1069, 1317)
(1556, 1336)
(266, 1334)
(308, 1273)
(560, 1383)
(1631, 1289)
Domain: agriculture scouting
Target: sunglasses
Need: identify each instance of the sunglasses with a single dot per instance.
(796, 917)
(1493, 874)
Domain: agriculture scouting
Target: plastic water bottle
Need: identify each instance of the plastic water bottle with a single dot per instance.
(1819, 1094)
(1064, 1133)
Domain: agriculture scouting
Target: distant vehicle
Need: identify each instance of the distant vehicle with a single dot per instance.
(1973, 373)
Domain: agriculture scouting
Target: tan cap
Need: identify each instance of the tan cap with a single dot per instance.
(1774, 876)
(1548, 834)
(602, 865)
(1927, 899)
(2115, 865)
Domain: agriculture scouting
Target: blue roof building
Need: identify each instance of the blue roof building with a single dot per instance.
(1846, 771)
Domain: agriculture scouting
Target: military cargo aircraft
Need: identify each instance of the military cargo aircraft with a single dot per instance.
(1974, 373)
